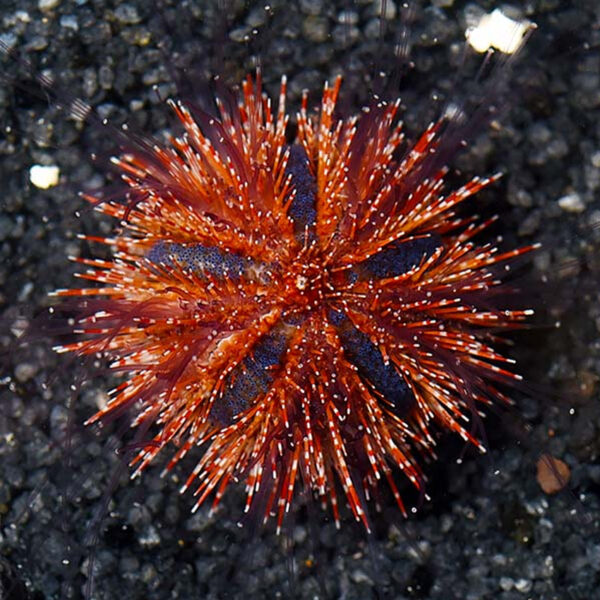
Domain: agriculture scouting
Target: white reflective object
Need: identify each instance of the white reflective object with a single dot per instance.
(44, 177)
(498, 31)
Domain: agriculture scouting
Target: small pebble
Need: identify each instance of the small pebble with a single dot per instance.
(127, 14)
(506, 583)
(552, 474)
(523, 585)
(572, 203)
(69, 22)
(48, 4)
(390, 9)
(311, 7)
(316, 29)
(25, 371)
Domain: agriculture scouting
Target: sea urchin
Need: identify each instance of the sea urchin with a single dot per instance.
(301, 311)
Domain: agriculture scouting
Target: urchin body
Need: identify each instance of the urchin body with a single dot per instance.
(304, 311)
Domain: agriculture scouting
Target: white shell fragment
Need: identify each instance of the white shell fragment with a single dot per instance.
(496, 30)
(44, 177)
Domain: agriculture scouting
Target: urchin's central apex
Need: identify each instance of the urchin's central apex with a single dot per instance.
(301, 282)
(306, 285)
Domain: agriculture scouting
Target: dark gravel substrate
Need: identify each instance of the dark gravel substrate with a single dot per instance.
(489, 531)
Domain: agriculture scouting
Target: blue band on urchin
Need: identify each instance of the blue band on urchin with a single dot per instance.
(398, 257)
(201, 259)
(381, 376)
(250, 379)
(302, 210)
